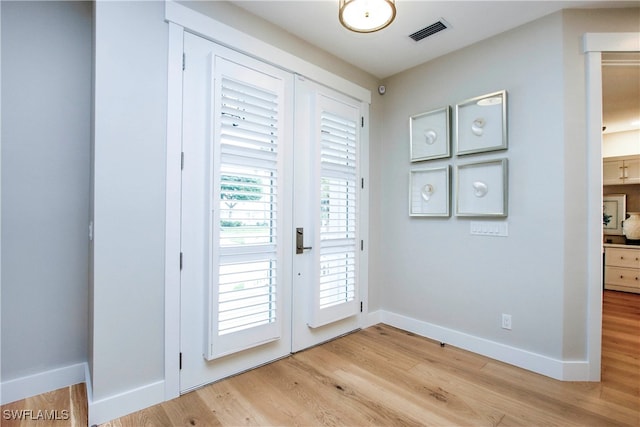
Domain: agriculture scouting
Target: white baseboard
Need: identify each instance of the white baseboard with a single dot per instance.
(43, 382)
(554, 368)
(112, 407)
(579, 370)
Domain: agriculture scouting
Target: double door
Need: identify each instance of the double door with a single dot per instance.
(270, 213)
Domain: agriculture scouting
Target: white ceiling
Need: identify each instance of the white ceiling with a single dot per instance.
(391, 51)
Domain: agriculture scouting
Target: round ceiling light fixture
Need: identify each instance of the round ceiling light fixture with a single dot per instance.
(366, 16)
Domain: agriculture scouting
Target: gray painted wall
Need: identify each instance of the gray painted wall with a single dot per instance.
(436, 271)
(46, 103)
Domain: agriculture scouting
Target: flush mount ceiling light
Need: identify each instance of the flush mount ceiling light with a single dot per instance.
(366, 16)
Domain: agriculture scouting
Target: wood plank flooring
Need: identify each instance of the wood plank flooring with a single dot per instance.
(387, 377)
(60, 408)
(383, 376)
(621, 349)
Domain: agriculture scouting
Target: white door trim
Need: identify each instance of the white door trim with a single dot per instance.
(0, 212)
(594, 44)
(181, 18)
(232, 38)
(172, 215)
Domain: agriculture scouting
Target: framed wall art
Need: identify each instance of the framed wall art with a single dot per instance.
(429, 135)
(614, 212)
(481, 189)
(429, 193)
(481, 124)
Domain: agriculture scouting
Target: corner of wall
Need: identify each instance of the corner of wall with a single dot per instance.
(558, 369)
(371, 319)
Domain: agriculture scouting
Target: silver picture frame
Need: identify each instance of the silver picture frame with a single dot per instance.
(429, 192)
(430, 135)
(614, 212)
(482, 189)
(481, 124)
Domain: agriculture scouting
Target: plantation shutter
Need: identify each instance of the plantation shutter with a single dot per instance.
(335, 295)
(245, 285)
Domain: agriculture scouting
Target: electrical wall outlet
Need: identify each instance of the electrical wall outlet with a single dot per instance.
(506, 321)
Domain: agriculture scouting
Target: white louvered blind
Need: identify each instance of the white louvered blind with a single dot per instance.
(336, 292)
(245, 279)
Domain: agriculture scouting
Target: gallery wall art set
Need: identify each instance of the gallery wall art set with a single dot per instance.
(481, 186)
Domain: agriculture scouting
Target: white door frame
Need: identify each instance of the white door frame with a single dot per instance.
(594, 44)
(181, 19)
(0, 210)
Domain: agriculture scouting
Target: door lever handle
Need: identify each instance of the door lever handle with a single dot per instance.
(300, 247)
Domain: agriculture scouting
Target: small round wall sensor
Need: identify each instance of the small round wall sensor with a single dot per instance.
(382, 89)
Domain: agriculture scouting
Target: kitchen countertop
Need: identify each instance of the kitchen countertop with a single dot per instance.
(616, 245)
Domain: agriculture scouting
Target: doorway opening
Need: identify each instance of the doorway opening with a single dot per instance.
(621, 198)
(594, 46)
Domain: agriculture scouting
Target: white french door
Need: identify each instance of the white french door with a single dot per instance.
(246, 296)
(326, 289)
(236, 178)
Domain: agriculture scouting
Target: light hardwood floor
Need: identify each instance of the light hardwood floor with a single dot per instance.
(60, 408)
(387, 377)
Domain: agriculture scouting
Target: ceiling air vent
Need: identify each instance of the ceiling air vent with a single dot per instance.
(428, 31)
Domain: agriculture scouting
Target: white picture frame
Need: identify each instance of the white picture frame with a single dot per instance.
(482, 189)
(429, 192)
(614, 206)
(429, 135)
(481, 124)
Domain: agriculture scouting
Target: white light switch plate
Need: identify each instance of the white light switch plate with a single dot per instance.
(498, 229)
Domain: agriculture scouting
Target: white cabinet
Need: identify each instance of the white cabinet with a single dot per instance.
(622, 268)
(621, 170)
